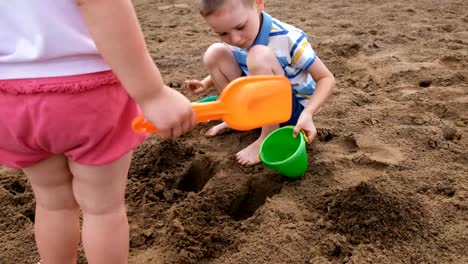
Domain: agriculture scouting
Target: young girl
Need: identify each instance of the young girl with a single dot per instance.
(66, 105)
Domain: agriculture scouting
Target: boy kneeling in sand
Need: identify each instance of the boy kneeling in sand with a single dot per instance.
(257, 44)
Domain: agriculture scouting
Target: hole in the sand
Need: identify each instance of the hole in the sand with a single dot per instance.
(348, 50)
(350, 144)
(451, 134)
(17, 187)
(326, 135)
(254, 196)
(335, 246)
(425, 83)
(30, 214)
(197, 175)
(451, 193)
(443, 188)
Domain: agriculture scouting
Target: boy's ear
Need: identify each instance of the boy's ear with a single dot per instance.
(260, 4)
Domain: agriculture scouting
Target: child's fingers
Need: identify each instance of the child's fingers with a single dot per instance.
(189, 87)
(311, 136)
(199, 89)
(185, 87)
(193, 86)
(296, 131)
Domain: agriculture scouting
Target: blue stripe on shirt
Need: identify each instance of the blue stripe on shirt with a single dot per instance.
(309, 62)
(307, 88)
(292, 76)
(283, 61)
(278, 33)
(293, 50)
(279, 25)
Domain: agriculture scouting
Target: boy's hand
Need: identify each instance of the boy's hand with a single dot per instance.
(193, 86)
(306, 124)
(170, 112)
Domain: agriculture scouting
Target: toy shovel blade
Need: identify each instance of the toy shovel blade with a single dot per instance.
(245, 103)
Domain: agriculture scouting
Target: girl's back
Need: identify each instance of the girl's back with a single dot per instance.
(45, 38)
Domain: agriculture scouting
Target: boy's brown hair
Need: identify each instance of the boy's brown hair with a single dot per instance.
(208, 7)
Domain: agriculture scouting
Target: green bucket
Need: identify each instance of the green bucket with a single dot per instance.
(285, 154)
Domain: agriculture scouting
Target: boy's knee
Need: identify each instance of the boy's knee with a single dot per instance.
(261, 57)
(214, 54)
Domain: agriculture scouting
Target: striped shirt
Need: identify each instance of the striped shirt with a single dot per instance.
(293, 50)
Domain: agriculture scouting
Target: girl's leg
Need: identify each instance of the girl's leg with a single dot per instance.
(100, 192)
(261, 61)
(223, 68)
(57, 227)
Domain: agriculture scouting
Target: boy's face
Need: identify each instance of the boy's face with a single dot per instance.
(235, 23)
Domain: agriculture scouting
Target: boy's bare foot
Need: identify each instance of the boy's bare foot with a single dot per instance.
(249, 155)
(217, 130)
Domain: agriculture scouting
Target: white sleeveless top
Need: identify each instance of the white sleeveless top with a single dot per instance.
(45, 38)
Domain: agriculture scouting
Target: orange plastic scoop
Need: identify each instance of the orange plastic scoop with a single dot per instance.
(246, 103)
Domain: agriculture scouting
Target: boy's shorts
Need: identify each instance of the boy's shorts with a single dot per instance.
(89, 120)
(297, 109)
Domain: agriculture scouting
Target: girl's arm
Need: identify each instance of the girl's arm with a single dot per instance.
(116, 31)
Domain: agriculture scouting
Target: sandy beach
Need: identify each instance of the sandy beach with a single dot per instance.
(388, 174)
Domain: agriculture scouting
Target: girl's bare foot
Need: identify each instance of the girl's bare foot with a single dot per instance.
(249, 155)
(217, 130)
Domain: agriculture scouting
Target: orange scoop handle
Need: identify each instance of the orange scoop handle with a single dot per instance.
(204, 112)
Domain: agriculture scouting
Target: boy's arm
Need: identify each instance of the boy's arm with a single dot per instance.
(108, 21)
(302, 56)
(325, 83)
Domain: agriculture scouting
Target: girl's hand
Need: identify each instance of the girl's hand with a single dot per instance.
(170, 112)
(306, 124)
(193, 87)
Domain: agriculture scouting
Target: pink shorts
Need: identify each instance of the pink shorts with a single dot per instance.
(85, 117)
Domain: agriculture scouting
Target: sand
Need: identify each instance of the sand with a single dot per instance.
(388, 175)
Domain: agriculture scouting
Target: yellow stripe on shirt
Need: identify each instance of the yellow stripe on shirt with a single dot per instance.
(300, 51)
